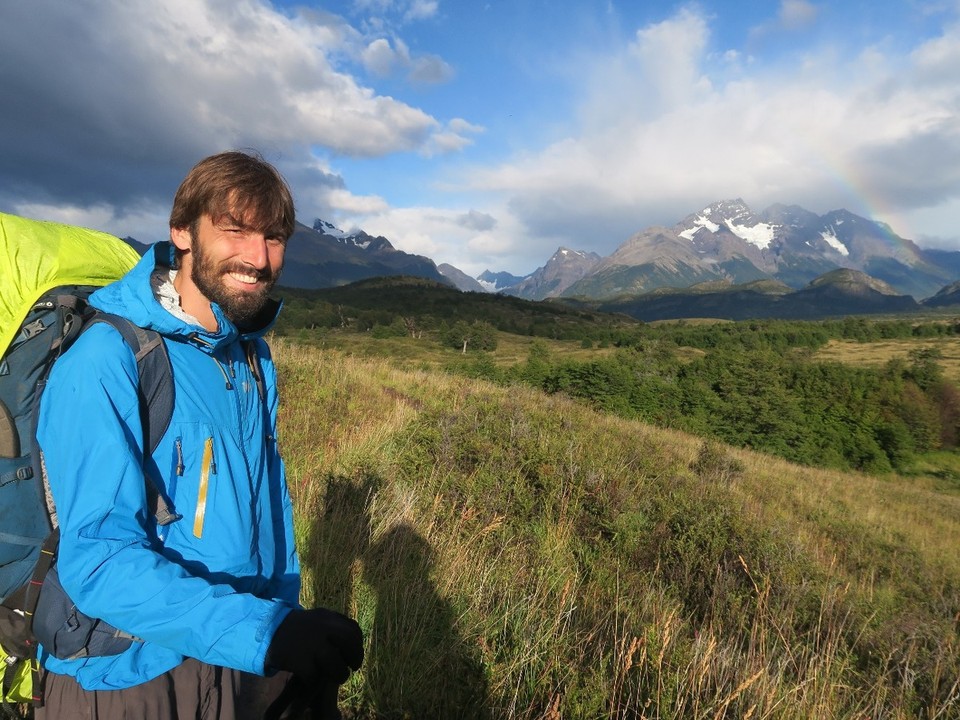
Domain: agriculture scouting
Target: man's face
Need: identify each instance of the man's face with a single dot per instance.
(234, 266)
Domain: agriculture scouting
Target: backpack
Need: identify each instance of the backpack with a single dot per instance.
(49, 270)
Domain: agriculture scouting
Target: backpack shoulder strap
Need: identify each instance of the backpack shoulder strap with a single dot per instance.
(253, 360)
(156, 394)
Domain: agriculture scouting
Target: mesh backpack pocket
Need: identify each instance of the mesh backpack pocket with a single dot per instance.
(68, 633)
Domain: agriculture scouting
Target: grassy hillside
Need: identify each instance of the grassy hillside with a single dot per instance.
(511, 554)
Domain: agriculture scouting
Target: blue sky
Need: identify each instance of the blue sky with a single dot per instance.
(487, 134)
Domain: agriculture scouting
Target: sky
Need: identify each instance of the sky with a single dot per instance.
(487, 133)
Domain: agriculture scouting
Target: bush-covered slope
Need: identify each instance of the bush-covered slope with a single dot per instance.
(511, 554)
(426, 305)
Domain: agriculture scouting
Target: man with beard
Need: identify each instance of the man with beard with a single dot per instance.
(209, 602)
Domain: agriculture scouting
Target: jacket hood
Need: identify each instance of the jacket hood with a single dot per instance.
(132, 297)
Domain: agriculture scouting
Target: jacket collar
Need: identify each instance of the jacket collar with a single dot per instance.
(133, 297)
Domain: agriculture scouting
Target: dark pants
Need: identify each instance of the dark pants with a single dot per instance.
(191, 691)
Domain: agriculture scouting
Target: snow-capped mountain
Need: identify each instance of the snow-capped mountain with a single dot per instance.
(326, 228)
(325, 256)
(358, 238)
(707, 229)
(562, 270)
(729, 229)
(728, 241)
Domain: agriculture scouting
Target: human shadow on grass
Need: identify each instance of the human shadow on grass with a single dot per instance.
(417, 665)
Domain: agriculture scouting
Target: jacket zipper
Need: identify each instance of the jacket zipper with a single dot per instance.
(180, 466)
(207, 466)
(195, 337)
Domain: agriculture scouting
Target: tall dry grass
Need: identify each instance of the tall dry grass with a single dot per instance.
(515, 555)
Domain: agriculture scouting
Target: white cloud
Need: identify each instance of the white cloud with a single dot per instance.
(665, 132)
(452, 138)
(459, 125)
(343, 202)
(421, 9)
(667, 58)
(661, 69)
(471, 241)
(430, 70)
(379, 58)
(382, 59)
(375, 5)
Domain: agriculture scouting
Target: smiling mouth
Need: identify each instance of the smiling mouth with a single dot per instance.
(245, 278)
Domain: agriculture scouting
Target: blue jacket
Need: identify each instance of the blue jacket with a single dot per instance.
(215, 584)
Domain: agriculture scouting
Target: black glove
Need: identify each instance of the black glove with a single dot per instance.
(317, 646)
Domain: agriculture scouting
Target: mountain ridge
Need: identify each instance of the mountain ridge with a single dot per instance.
(727, 240)
(324, 256)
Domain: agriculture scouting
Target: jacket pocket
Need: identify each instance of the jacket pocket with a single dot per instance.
(208, 467)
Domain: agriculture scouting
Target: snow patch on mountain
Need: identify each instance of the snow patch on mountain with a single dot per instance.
(830, 237)
(761, 234)
(737, 218)
(328, 229)
(701, 222)
(357, 239)
(566, 253)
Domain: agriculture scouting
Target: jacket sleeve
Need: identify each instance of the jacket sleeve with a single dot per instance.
(285, 583)
(90, 432)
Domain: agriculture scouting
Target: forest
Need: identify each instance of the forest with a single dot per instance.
(826, 414)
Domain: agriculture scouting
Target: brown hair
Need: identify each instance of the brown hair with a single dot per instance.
(237, 185)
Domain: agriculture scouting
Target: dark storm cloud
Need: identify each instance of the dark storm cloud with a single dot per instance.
(914, 172)
(83, 121)
(109, 103)
(473, 220)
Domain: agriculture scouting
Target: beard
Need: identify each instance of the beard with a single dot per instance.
(240, 306)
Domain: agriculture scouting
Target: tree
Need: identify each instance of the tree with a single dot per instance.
(924, 369)
(478, 335)
(413, 327)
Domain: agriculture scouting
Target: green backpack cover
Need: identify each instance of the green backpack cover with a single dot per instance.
(39, 256)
